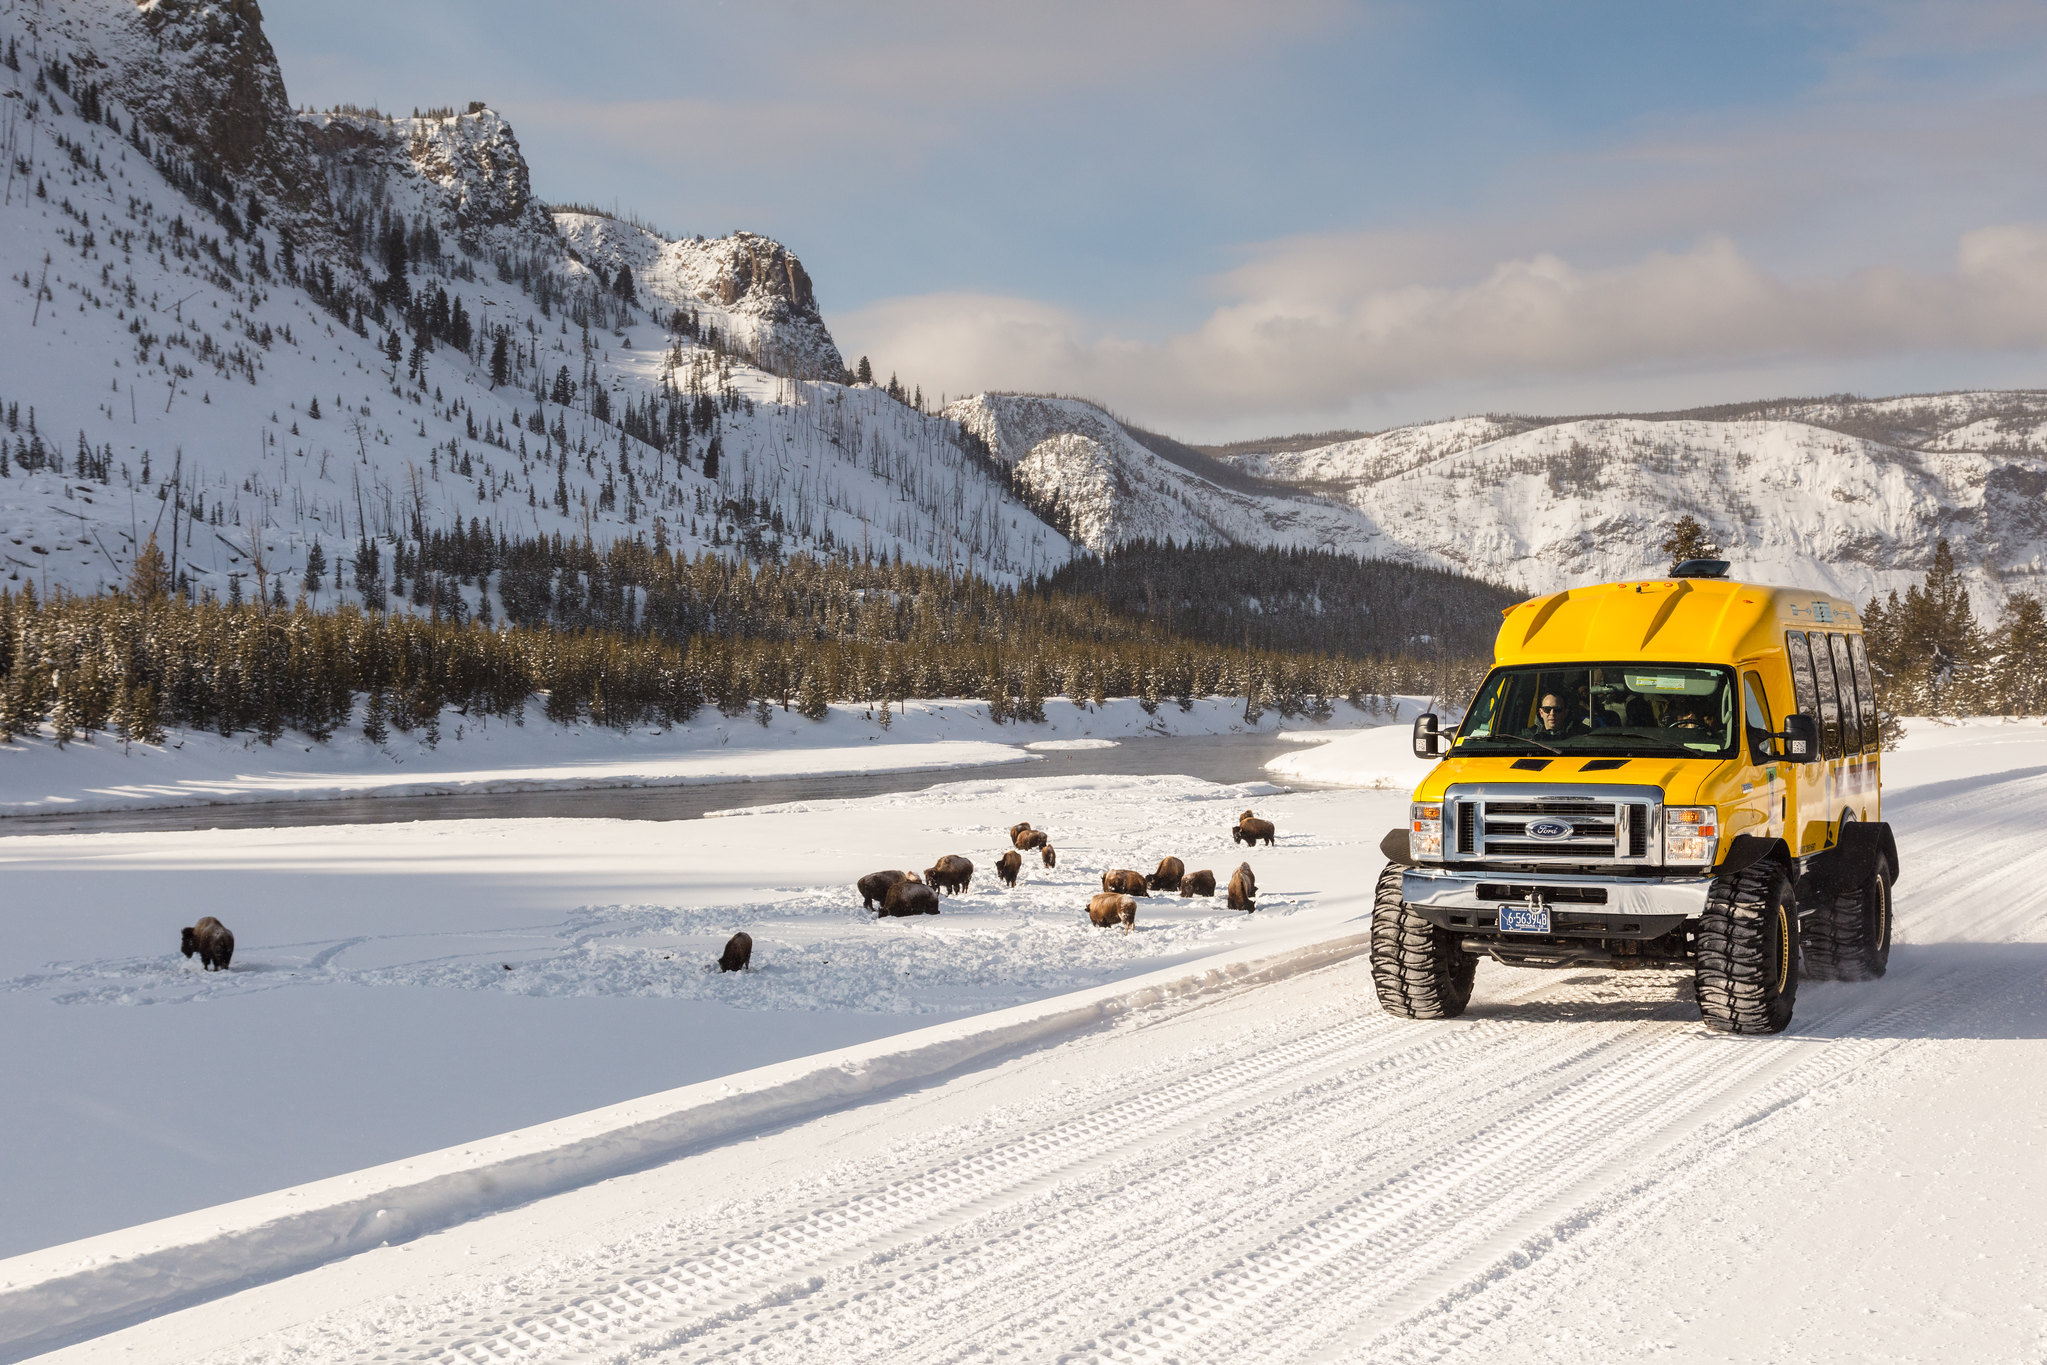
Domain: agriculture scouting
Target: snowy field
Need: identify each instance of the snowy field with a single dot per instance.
(399, 987)
(199, 768)
(1272, 1171)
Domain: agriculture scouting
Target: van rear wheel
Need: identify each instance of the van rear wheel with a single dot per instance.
(1419, 971)
(1848, 936)
(1747, 965)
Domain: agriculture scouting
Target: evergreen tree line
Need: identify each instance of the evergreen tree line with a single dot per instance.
(1933, 657)
(644, 638)
(1292, 599)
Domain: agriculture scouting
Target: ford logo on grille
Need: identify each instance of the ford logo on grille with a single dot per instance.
(1548, 829)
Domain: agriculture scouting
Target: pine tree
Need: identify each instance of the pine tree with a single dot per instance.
(500, 362)
(2021, 661)
(150, 577)
(316, 568)
(1688, 539)
(865, 373)
(313, 408)
(623, 285)
(373, 728)
(813, 701)
(712, 453)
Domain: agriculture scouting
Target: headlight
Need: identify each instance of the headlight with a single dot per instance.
(1425, 829)
(1691, 834)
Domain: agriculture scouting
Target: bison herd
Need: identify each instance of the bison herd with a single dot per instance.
(906, 893)
(895, 893)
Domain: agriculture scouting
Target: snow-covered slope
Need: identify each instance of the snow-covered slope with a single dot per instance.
(1083, 470)
(753, 289)
(1848, 495)
(166, 347)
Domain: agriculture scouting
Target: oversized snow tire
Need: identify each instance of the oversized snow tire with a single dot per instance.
(1848, 937)
(1420, 971)
(1747, 968)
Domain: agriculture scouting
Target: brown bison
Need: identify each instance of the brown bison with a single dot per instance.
(910, 897)
(874, 887)
(1049, 855)
(950, 873)
(1250, 830)
(738, 952)
(1167, 878)
(1194, 884)
(1033, 838)
(211, 940)
(1127, 880)
(1113, 907)
(1007, 866)
(1017, 832)
(1243, 888)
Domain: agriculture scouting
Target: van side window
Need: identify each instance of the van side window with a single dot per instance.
(1852, 740)
(1803, 690)
(1865, 692)
(1830, 696)
(1756, 704)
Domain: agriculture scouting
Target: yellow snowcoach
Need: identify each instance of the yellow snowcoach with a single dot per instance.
(1678, 773)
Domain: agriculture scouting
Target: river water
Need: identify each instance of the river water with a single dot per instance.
(1214, 758)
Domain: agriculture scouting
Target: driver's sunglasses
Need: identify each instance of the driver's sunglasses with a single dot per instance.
(1548, 710)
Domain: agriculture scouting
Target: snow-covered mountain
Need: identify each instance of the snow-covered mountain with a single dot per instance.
(1088, 473)
(1849, 494)
(265, 328)
(204, 331)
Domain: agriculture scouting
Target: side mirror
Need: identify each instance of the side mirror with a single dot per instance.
(1426, 736)
(1801, 736)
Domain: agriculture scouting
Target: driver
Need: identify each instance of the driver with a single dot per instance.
(1554, 719)
(1689, 714)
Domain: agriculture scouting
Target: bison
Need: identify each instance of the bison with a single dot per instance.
(874, 887)
(1017, 832)
(910, 897)
(1112, 907)
(1127, 880)
(1049, 855)
(211, 940)
(1033, 838)
(738, 952)
(1250, 830)
(1243, 888)
(950, 873)
(1167, 878)
(1194, 884)
(1007, 866)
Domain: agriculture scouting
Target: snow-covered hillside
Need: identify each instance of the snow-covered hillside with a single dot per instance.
(1850, 495)
(1081, 468)
(231, 359)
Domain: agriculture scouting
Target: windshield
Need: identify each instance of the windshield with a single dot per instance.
(1620, 710)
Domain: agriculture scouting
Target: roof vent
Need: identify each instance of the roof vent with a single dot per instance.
(1701, 568)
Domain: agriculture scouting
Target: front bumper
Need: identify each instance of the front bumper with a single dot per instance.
(1582, 904)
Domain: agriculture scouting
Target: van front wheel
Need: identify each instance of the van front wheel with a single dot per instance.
(1747, 968)
(1419, 971)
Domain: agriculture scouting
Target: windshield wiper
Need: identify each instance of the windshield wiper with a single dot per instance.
(1515, 739)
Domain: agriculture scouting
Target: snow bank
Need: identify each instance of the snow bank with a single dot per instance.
(1381, 757)
(481, 755)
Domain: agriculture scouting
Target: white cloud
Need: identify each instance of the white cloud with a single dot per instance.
(1303, 330)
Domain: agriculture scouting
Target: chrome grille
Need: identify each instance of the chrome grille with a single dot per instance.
(1607, 824)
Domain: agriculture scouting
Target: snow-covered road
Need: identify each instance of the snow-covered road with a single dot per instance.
(1573, 1171)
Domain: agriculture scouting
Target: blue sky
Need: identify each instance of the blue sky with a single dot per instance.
(1229, 220)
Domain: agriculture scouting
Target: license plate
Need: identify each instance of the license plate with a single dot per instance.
(1524, 919)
